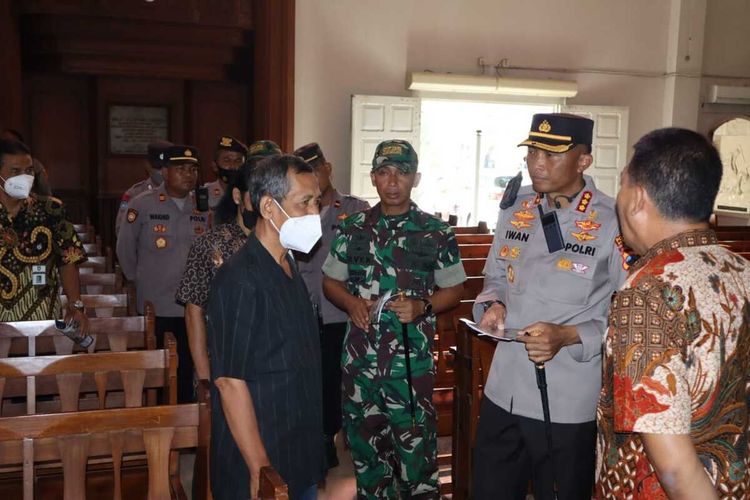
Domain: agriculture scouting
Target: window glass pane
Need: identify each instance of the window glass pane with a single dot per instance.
(457, 180)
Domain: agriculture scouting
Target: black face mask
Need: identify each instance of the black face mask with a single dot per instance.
(249, 218)
(228, 176)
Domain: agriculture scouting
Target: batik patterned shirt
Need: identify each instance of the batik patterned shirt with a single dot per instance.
(33, 246)
(208, 252)
(677, 356)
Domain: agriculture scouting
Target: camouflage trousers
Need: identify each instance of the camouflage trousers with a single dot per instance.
(394, 457)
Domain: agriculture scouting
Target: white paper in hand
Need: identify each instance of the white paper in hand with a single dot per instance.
(505, 334)
(376, 310)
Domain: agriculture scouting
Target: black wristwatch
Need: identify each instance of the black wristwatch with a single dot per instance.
(427, 307)
(490, 303)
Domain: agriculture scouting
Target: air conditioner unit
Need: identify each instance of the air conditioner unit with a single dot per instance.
(487, 84)
(725, 94)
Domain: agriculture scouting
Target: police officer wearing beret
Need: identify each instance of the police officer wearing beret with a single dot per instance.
(229, 156)
(555, 284)
(155, 156)
(152, 247)
(334, 208)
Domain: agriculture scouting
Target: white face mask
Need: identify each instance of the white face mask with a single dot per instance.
(299, 233)
(18, 186)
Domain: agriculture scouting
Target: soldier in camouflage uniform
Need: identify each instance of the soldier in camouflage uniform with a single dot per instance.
(394, 247)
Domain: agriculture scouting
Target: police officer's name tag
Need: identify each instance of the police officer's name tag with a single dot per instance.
(39, 275)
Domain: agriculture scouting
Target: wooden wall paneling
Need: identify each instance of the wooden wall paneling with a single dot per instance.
(11, 110)
(273, 72)
(215, 109)
(58, 120)
(118, 173)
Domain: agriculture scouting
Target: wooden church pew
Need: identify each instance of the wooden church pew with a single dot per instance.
(103, 305)
(73, 378)
(32, 338)
(77, 439)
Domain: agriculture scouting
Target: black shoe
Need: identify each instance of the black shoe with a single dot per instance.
(333, 459)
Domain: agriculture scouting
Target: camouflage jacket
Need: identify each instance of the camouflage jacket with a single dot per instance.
(413, 252)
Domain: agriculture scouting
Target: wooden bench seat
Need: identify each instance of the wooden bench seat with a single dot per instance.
(64, 377)
(475, 251)
(104, 305)
(32, 338)
(474, 238)
(101, 283)
(77, 437)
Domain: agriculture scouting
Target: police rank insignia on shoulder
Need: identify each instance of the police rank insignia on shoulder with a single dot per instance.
(132, 215)
(337, 204)
(511, 191)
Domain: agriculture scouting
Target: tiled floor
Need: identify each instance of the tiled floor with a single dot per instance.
(339, 484)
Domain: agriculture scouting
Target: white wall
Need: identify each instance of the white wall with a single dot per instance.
(346, 47)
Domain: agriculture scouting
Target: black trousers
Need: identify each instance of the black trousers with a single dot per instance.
(331, 345)
(510, 450)
(176, 325)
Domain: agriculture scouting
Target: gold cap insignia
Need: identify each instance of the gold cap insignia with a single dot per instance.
(545, 127)
(226, 142)
(188, 152)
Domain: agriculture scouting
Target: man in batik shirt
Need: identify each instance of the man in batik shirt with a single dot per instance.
(673, 415)
(235, 219)
(39, 249)
(389, 418)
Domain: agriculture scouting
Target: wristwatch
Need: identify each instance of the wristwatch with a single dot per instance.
(427, 307)
(78, 305)
(490, 303)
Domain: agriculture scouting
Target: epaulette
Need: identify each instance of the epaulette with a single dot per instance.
(511, 191)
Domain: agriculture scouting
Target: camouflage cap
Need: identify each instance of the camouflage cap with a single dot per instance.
(229, 143)
(263, 148)
(156, 153)
(175, 155)
(311, 153)
(395, 152)
(559, 132)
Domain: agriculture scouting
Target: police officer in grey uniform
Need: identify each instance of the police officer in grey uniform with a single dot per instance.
(155, 155)
(152, 247)
(551, 272)
(229, 156)
(334, 208)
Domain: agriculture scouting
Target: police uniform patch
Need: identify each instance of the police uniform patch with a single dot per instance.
(337, 204)
(579, 268)
(587, 225)
(582, 236)
(342, 216)
(132, 215)
(519, 224)
(511, 274)
(564, 264)
(504, 251)
(583, 205)
(523, 215)
(199, 229)
(160, 243)
(515, 252)
(160, 228)
(217, 192)
(162, 197)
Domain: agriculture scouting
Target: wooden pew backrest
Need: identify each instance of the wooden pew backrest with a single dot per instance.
(73, 438)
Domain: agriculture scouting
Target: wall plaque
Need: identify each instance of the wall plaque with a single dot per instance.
(131, 128)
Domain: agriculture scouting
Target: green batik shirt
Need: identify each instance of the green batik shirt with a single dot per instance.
(33, 246)
(412, 253)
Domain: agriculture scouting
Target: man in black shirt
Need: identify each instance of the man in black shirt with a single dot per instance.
(264, 346)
